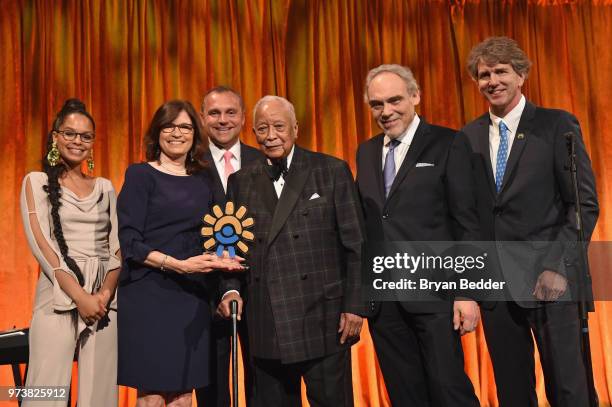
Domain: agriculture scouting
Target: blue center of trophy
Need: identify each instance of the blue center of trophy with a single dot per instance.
(226, 238)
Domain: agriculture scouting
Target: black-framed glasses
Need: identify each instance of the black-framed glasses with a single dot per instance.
(70, 135)
(182, 128)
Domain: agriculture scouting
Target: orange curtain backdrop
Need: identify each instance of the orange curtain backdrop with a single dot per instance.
(124, 58)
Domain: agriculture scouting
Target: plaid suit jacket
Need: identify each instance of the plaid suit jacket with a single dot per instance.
(305, 261)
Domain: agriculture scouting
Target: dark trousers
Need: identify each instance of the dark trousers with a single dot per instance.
(421, 358)
(556, 329)
(328, 382)
(217, 393)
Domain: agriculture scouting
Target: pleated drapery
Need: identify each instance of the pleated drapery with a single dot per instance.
(124, 58)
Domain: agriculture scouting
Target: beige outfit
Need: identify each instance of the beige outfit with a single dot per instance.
(90, 230)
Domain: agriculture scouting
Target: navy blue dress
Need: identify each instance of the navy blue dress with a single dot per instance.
(165, 318)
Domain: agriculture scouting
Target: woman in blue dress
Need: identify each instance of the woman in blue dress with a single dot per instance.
(166, 318)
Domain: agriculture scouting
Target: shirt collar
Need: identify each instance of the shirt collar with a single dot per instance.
(513, 117)
(217, 153)
(408, 135)
(290, 156)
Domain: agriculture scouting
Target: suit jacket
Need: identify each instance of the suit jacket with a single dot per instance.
(425, 203)
(248, 155)
(536, 203)
(305, 261)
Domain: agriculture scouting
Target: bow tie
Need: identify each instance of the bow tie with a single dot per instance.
(278, 168)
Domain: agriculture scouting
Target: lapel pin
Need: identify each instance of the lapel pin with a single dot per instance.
(520, 136)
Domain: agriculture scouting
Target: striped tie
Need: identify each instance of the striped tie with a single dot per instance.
(389, 168)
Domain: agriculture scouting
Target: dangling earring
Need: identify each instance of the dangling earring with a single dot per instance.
(191, 156)
(90, 161)
(53, 156)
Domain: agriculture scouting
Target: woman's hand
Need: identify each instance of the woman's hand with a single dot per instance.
(207, 262)
(90, 308)
(103, 297)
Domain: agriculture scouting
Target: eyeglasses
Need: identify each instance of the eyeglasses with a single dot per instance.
(264, 128)
(183, 128)
(70, 135)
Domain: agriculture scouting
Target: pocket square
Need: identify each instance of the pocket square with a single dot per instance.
(314, 196)
(425, 165)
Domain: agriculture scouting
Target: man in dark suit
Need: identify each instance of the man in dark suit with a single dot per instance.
(303, 301)
(410, 181)
(223, 117)
(524, 193)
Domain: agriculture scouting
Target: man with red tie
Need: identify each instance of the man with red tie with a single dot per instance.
(223, 117)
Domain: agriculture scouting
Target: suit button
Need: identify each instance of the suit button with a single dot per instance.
(497, 211)
(296, 236)
(385, 215)
(257, 279)
(304, 276)
(260, 240)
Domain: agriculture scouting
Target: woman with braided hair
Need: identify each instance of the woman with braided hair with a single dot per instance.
(71, 225)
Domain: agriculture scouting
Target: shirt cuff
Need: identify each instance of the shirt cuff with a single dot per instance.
(229, 291)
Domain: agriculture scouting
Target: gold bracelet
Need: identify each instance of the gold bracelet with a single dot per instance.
(163, 262)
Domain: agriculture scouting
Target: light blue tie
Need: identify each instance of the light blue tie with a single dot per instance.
(502, 155)
(389, 169)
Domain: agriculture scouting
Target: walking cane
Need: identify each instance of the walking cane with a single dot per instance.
(234, 312)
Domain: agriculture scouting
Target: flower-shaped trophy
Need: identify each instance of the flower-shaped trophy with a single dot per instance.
(227, 230)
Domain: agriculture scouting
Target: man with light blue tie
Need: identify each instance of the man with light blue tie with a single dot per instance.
(524, 194)
(410, 180)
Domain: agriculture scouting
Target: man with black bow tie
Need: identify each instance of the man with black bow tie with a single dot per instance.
(304, 309)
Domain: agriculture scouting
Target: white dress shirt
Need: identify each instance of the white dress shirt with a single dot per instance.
(402, 148)
(217, 155)
(280, 183)
(511, 120)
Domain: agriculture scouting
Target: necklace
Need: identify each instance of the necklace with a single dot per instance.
(172, 170)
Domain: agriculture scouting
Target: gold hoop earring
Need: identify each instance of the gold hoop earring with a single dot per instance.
(53, 156)
(90, 161)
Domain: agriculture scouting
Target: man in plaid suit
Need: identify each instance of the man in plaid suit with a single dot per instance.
(304, 308)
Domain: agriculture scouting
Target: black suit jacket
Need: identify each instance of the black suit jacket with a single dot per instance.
(425, 203)
(536, 202)
(248, 156)
(305, 262)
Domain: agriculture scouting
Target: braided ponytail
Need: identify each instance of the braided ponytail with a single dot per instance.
(53, 187)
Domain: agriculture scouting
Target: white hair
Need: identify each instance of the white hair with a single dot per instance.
(271, 98)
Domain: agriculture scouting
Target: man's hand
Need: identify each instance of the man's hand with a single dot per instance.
(550, 286)
(224, 306)
(466, 315)
(349, 326)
